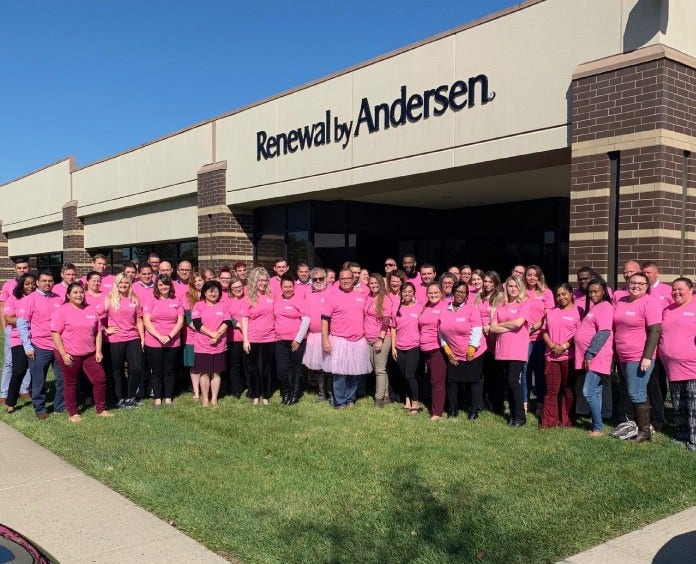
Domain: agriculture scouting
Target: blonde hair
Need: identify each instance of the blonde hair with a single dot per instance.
(193, 295)
(541, 280)
(520, 286)
(252, 291)
(113, 298)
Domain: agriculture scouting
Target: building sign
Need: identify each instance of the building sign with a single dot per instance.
(403, 110)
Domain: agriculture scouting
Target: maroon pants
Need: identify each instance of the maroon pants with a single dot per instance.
(93, 370)
(437, 370)
(558, 402)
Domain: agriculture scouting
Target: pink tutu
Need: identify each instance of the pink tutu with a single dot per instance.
(314, 356)
(348, 358)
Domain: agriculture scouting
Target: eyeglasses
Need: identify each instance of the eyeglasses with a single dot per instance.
(389, 264)
(240, 287)
(225, 279)
(345, 279)
(637, 283)
(320, 279)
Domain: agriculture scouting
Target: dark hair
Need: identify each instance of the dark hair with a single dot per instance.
(461, 285)
(69, 289)
(239, 264)
(18, 291)
(605, 298)
(45, 272)
(21, 260)
(644, 276)
(68, 266)
(207, 285)
(168, 282)
(287, 277)
(98, 256)
(279, 259)
(403, 286)
(145, 265)
(567, 287)
(91, 274)
(302, 263)
(130, 265)
(427, 265)
(686, 281)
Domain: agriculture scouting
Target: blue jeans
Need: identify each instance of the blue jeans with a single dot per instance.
(39, 369)
(7, 369)
(535, 363)
(345, 389)
(592, 390)
(637, 380)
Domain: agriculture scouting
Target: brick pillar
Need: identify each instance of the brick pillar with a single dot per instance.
(640, 109)
(224, 235)
(74, 239)
(6, 267)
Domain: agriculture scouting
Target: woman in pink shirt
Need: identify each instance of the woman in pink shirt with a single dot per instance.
(258, 333)
(560, 327)
(594, 348)
(637, 326)
(314, 355)
(540, 301)
(291, 314)
(210, 318)
(509, 323)
(394, 281)
(163, 317)
(476, 285)
(678, 354)
(404, 344)
(377, 323)
(236, 302)
(26, 284)
(77, 338)
(93, 294)
(486, 301)
(126, 337)
(428, 322)
(192, 297)
(461, 334)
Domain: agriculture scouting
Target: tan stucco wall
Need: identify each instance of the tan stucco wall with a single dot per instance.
(36, 240)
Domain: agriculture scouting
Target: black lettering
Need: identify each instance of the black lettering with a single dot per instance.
(305, 137)
(381, 108)
(319, 134)
(328, 126)
(414, 102)
(441, 99)
(261, 152)
(365, 116)
(272, 147)
(426, 108)
(293, 136)
(458, 90)
(400, 104)
(485, 98)
(282, 139)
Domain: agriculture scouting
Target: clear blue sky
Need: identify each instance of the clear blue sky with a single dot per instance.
(92, 78)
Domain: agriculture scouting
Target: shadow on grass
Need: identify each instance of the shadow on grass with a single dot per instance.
(411, 523)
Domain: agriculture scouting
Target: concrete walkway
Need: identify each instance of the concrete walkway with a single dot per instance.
(41, 497)
(669, 541)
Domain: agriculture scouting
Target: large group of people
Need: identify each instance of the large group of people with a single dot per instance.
(467, 339)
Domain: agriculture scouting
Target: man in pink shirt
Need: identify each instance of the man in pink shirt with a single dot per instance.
(99, 265)
(240, 269)
(153, 260)
(427, 277)
(35, 328)
(658, 290)
(280, 267)
(68, 273)
(631, 267)
(409, 266)
(183, 275)
(303, 283)
(21, 267)
(131, 271)
(144, 287)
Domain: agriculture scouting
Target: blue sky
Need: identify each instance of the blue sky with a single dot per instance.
(91, 78)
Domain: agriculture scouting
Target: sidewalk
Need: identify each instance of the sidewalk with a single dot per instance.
(669, 541)
(40, 497)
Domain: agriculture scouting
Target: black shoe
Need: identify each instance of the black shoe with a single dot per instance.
(473, 414)
(519, 422)
(452, 414)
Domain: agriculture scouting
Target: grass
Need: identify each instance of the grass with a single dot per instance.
(309, 484)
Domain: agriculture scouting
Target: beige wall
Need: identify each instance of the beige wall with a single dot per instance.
(159, 171)
(42, 239)
(36, 199)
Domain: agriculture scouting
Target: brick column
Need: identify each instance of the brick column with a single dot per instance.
(224, 235)
(638, 108)
(6, 267)
(74, 239)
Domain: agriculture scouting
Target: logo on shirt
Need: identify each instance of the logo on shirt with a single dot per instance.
(91, 316)
(173, 305)
(689, 314)
(568, 318)
(460, 318)
(631, 313)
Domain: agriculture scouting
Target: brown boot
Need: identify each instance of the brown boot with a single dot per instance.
(642, 412)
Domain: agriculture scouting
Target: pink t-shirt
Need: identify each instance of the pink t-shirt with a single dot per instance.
(315, 303)
(107, 282)
(38, 310)
(13, 306)
(456, 327)
(631, 320)
(599, 318)
(485, 310)
(261, 320)
(212, 316)
(620, 293)
(144, 293)
(236, 309)
(662, 293)
(274, 284)
(512, 345)
(421, 293)
(678, 341)
(7, 288)
(537, 304)
(288, 315)
(60, 289)
(77, 328)
(345, 309)
(96, 302)
(302, 289)
(164, 314)
(126, 319)
(428, 322)
(374, 325)
(406, 323)
(561, 325)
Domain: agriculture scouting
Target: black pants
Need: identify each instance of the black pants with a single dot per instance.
(493, 390)
(131, 352)
(20, 364)
(408, 361)
(163, 363)
(235, 355)
(512, 370)
(289, 366)
(259, 366)
(656, 396)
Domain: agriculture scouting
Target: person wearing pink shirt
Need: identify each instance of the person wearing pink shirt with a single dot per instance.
(465, 273)
(510, 324)
(405, 347)
(184, 270)
(476, 285)
(34, 325)
(394, 280)
(454, 270)
(291, 315)
(343, 339)
(126, 337)
(678, 353)
(211, 319)
(630, 268)
(303, 282)
(389, 266)
(94, 295)
(21, 266)
(637, 326)
(594, 349)
(208, 274)
(314, 355)
(280, 267)
(225, 278)
(144, 287)
(486, 301)
(558, 333)
(77, 338)
(540, 301)
(236, 304)
(166, 268)
(330, 277)
(427, 277)
(190, 299)
(14, 308)
(131, 271)
(377, 323)
(258, 333)
(153, 261)
(240, 269)
(163, 318)
(433, 354)
(584, 275)
(410, 270)
(447, 283)
(461, 335)
(99, 266)
(68, 273)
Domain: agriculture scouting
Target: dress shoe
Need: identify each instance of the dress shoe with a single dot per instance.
(41, 415)
(519, 422)
(25, 396)
(473, 414)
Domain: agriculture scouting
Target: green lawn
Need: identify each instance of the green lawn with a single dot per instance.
(309, 484)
